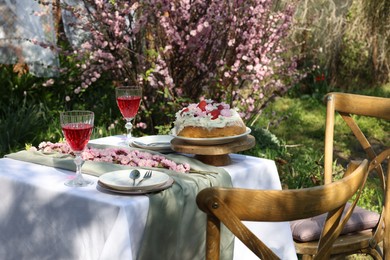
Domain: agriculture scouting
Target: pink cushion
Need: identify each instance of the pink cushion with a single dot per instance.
(309, 229)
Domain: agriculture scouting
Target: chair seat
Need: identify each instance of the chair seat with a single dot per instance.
(309, 229)
(342, 245)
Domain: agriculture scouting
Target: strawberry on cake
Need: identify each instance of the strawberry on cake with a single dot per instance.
(208, 119)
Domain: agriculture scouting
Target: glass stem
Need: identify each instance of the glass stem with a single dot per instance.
(79, 162)
(129, 127)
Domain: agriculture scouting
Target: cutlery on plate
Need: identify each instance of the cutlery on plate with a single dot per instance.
(134, 174)
(147, 175)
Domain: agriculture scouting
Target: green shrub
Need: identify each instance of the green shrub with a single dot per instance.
(298, 166)
(21, 123)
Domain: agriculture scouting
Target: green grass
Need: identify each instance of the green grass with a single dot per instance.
(297, 121)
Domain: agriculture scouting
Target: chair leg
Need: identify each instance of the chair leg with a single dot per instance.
(307, 257)
(213, 238)
(386, 236)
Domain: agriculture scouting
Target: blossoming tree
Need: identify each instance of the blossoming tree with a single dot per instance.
(228, 50)
(232, 50)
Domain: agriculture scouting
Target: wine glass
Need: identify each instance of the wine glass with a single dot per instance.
(128, 99)
(77, 127)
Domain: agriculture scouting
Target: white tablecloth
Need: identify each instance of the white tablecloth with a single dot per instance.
(41, 218)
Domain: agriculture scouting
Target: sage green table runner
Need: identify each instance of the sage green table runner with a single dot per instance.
(175, 228)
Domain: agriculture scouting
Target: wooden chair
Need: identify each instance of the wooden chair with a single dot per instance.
(231, 206)
(361, 241)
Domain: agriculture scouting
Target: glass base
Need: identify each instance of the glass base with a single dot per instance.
(78, 183)
(125, 141)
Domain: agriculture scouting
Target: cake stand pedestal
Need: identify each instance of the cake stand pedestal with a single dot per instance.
(216, 155)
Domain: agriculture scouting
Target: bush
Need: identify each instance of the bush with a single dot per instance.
(29, 111)
(182, 51)
(23, 122)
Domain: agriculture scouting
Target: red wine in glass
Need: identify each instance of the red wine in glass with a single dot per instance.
(77, 135)
(128, 99)
(77, 127)
(128, 105)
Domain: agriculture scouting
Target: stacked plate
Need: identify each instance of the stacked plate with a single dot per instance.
(120, 182)
(158, 143)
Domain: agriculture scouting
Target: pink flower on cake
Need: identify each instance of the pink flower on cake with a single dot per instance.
(226, 112)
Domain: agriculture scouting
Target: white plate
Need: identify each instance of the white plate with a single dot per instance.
(166, 185)
(212, 141)
(120, 180)
(154, 142)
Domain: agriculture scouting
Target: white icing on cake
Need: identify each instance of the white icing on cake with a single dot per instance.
(208, 117)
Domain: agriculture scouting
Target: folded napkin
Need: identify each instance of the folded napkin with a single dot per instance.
(175, 228)
(65, 161)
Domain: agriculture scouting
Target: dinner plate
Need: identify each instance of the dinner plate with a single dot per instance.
(102, 187)
(160, 143)
(120, 180)
(212, 141)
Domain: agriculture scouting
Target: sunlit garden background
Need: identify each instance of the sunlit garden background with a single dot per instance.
(314, 47)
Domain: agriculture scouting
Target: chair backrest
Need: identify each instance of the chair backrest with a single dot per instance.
(347, 106)
(233, 205)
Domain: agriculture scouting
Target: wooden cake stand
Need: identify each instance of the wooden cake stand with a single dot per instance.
(216, 155)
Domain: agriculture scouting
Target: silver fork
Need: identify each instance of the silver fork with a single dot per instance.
(147, 175)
